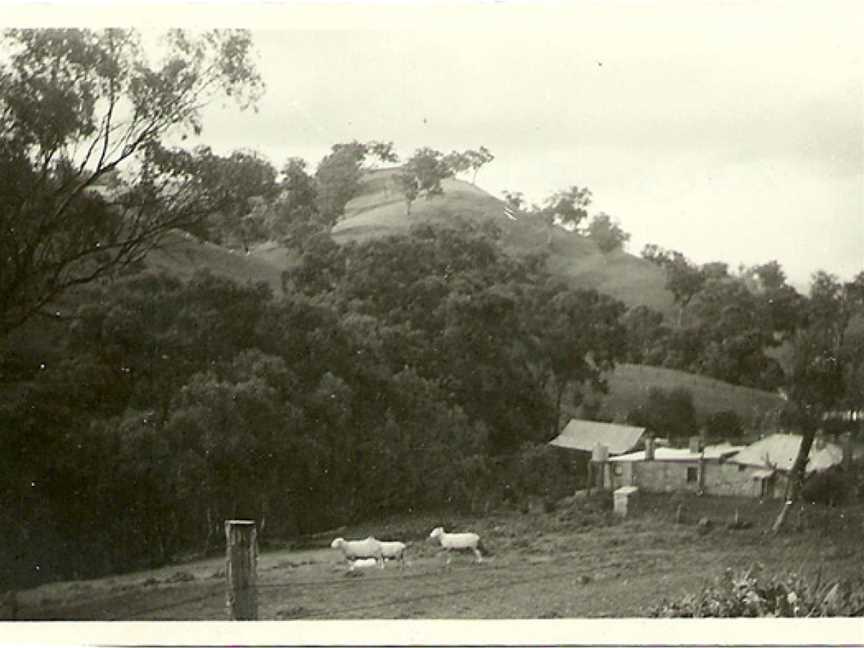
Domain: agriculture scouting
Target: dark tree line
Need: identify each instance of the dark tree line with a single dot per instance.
(729, 326)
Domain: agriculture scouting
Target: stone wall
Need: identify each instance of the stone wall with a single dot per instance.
(669, 476)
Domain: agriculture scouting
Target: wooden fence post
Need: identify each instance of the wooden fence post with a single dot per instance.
(241, 548)
(10, 602)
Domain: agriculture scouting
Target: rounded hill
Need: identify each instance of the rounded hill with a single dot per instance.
(379, 210)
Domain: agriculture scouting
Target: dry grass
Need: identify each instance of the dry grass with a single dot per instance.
(182, 257)
(380, 211)
(578, 561)
(629, 386)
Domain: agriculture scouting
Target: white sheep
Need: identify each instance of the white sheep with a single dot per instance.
(458, 542)
(394, 551)
(362, 563)
(352, 549)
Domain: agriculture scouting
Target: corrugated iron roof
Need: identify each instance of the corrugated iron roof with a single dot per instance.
(585, 435)
(779, 451)
(711, 452)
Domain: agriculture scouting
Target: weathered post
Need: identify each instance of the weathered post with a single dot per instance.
(10, 601)
(241, 549)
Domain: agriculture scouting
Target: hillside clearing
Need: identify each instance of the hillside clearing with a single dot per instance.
(379, 210)
(575, 562)
(181, 255)
(629, 386)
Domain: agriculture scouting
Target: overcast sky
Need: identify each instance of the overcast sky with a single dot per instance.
(731, 131)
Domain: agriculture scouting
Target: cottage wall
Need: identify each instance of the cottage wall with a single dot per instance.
(717, 479)
(665, 476)
(731, 479)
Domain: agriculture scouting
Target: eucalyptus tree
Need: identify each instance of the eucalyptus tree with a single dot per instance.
(81, 107)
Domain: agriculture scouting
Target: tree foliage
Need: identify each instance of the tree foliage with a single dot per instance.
(724, 425)
(77, 106)
(568, 207)
(823, 369)
(669, 414)
(470, 160)
(422, 175)
(338, 175)
(684, 279)
(606, 233)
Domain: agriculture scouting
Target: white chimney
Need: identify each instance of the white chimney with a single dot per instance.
(649, 448)
(695, 444)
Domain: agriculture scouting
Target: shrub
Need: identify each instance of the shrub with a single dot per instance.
(668, 413)
(831, 487)
(724, 425)
(540, 471)
(749, 594)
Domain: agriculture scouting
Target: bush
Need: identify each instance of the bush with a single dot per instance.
(723, 426)
(748, 594)
(831, 487)
(539, 471)
(667, 412)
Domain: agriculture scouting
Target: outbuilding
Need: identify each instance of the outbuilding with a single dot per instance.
(584, 436)
(586, 441)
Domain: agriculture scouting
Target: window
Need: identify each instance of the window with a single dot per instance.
(741, 467)
(692, 475)
(619, 469)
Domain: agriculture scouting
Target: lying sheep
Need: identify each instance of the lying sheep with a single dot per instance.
(458, 542)
(353, 549)
(394, 551)
(362, 563)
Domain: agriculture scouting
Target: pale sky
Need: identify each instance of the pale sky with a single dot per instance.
(731, 131)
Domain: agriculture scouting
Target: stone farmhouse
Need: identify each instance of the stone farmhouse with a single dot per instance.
(759, 470)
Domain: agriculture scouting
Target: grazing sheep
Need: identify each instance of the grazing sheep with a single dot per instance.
(394, 551)
(458, 542)
(352, 549)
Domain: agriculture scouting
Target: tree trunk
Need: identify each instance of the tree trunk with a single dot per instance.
(796, 476)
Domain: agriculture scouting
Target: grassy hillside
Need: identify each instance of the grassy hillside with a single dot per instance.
(182, 255)
(629, 386)
(379, 210)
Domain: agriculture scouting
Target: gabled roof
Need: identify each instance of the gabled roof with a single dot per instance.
(585, 435)
(712, 452)
(779, 451)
